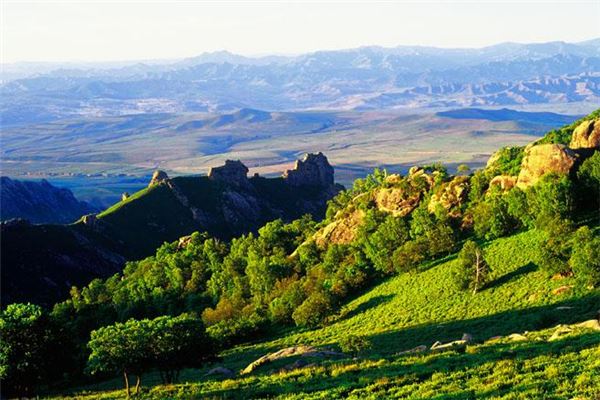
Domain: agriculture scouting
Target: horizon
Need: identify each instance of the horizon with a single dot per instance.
(159, 61)
(157, 31)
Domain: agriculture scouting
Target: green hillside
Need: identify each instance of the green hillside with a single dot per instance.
(419, 309)
(482, 284)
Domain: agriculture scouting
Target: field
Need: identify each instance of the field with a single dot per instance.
(419, 309)
(101, 157)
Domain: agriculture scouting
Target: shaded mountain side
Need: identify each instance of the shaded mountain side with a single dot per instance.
(39, 202)
(41, 262)
(506, 114)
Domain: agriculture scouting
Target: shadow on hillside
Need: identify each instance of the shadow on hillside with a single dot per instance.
(371, 303)
(525, 269)
(394, 373)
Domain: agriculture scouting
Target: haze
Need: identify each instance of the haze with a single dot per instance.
(137, 30)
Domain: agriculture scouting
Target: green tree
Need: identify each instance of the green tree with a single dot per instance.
(25, 339)
(473, 271)
(122, 347)
(177, 343)
(585, 257)
(314, 309)
(554, 248)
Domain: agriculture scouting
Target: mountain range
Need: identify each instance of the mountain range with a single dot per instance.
(367, 77)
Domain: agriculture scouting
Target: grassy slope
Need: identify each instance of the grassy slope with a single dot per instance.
(411, 310)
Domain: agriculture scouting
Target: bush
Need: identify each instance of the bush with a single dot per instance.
(354, 344)
(313, 310)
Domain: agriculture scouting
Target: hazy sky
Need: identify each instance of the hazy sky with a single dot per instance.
(127, 30)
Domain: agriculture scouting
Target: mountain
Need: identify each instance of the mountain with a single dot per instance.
(40, 263)
(39, 202)
(506, 114)
(343, 79)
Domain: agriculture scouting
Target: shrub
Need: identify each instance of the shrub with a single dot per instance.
(585, 257)
(354, 344)
(313, 310)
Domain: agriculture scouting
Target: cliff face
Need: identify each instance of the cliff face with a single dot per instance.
(39, 202)
(226, 204)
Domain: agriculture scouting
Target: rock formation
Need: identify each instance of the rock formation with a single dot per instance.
(451, 196)
(233, 173)
(542, 159)
(586, 135)
(312, 170)
(506, 182)
(158, 177)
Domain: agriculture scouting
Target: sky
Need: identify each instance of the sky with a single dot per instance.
(111, 30)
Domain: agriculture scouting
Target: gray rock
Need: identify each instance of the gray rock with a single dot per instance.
(233, 173)
(158, 177)
(312, 170)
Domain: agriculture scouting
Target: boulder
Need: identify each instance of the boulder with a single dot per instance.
(226, 372)
(542, 159)
(299, 350)
(312, 170)
(586, 135)
(455, 345)
(451, 196)
(232, 172)
(414, 350)
(467, 337)
(506, 182)
(158, 177)
(124, 196)
(395, 201)
(562, 289)
(517, 337)
(589, 324)
(89, 220)
(341, 231)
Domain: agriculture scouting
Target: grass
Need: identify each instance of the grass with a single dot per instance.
(419, 309)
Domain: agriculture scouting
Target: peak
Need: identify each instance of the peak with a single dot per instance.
(157, 177)
(232, 172)
(312, 170)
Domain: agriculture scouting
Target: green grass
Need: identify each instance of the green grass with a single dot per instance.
(419, 309)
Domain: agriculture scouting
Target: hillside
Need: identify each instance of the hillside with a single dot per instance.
(419, 309)
(39, 202)
(480, 284)
(225, 204)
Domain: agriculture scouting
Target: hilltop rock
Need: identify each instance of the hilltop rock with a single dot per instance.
(312, 170)
(451, 196)
(124, 196)
(158, 177)
(395, 201)
(233, 173)
(340, 231)
(506, 182)
(543, 159)
(586, 135)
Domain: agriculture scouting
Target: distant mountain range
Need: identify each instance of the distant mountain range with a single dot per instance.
(367, 77)
(39, 202)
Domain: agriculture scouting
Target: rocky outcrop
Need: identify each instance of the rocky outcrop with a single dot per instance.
(586, 135)
(158, 177)
(505, 182)
(451, 196)
(396, 201)
(124, 196)
(312, 170)
(299, 350)
(39, 202)
(543, 159)
(232, 173)
(340, 231)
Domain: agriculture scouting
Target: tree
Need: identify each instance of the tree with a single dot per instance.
(380, 245)
(25, 339)
(177, 343)
(314, 309)
(122, 347)
(585, 257)
(554, 248)
(473, 270)
(463, 169)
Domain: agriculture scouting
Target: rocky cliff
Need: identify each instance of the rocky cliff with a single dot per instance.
(39, 202)
(226, 204)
